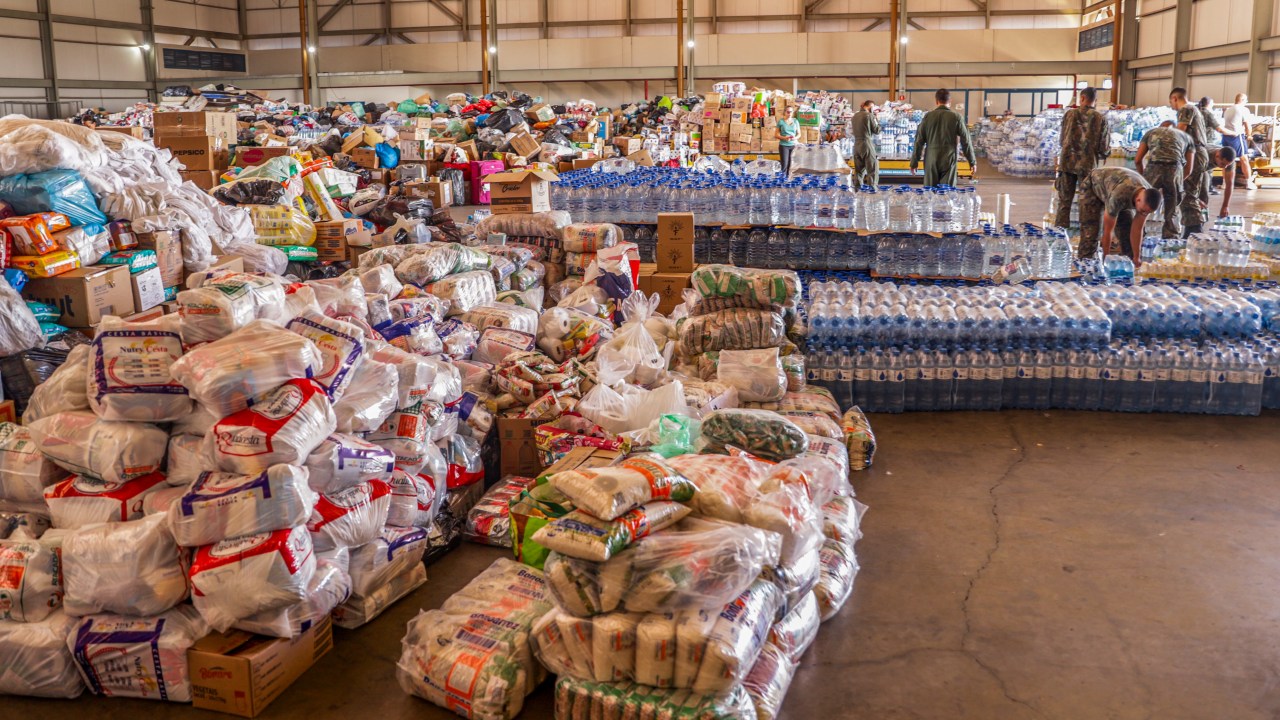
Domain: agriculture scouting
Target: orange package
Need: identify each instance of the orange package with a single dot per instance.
(33, 234)
(46, 265)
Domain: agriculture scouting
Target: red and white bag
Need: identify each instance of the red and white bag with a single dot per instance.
(394, 552)
(219, 506)
(284, 427)
(414, 500)
(79, 501)
(350, 517)
(343, 461)
(247, 575)
(342, 348)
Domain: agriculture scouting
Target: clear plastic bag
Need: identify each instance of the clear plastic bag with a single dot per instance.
(768, 681)
(733, 329)
(22, 525)
(859, 439)
(24, 471)
(129, 371)
(842, 519)
(130, 568)
(246, 575)
(579, 535)
(137, 657)
(227, 376)
(796, 631)
(65, 390)
(350, 517)
(489, 522)
(366, 403)
(342, 461)
(404, 433)
(186, 460)
(835, 584)
(341, 345)
(756, 374)
(576, 699)
(330, 586)
(496, 343)
(81, 501)
(112, 451)
(413, 501)
(607, 492)
(19, 329)
(226, 304)
(416, 373)
(38, 659)
(281, 225)
(283, 426)
(759, 432)
(219, 506)
(503, 315)
(751, 287)
(381, 279)
(591, 237)
(32, 584)
(545, 224)
(394, 552)
(340, 296)
(465, 291)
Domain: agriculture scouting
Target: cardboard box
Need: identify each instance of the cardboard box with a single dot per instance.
(675, 243)
(584, 458)
(250, 156)
(469, 147)
(644, 278)
(524, 191)
(8, 411)
(130, 130)
(199, 152)
(204, 179)
(641, 157)
(240, 673)
(191, 124)
(517, 453)
(167, 245)
(148, 289)
(584, 163)
(769, 146)
(438, 191)
(524, 145)
(366, 158)
(670, 288)
(84, 295)
(628, 145)
(713, 100)
(333, 237)
(354, 253)
(742, 103)
(152, 314)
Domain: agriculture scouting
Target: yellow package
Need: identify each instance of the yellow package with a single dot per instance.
(54, 263)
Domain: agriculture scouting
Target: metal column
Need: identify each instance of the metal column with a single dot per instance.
(1263, 16)
(149, 54)
(495, 74)
(484, 47)
(1181, 42)
(680, 50)
(689, 51)
(1126, 91)
(313, 32)
(47, 58)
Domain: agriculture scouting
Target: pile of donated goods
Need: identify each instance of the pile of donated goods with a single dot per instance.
(279, 451)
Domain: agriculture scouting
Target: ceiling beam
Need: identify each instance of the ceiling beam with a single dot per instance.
(457, 19)
(915, 24)
(332, 12)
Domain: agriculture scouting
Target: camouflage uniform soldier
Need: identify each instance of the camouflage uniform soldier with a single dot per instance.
(1085, 144)
(865, 129)
(1114, 196)
(1211, 126)
(1191, 122)
(1165, 156)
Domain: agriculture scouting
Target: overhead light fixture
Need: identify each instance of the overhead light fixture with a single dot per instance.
(1106, 84)
(144, 46)
(311, 48)
(903, 40)
(690, 43)
(493, 49)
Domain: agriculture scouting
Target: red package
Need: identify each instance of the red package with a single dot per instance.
(33, 234)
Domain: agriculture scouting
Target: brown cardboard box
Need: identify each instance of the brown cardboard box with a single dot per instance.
(584, 458)
(469, 147)
(8, 411)
(675, 243)
(524, 145)
(354, 253)
(197, 152)
(168, 247)
(769, 146)
(741, 118)
(810, 135)
(517, 453)
(412, 150)
(742, 103)
(584, 163)
(713, 100)
(130, 130)
(670, 288)
(230, 263)
(333, 238)
(204, 179)
(155, 312)
(365, 158)
(439, 191)
(628, 145)
(709, 144)
(737, 129)
(148, 289)
(84, 295)
(644, 278)
(192, 124)
(524, 191)
(641, 157)
(240, 674)
(721, 130)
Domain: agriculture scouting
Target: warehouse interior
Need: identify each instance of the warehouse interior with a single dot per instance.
(1031, 554)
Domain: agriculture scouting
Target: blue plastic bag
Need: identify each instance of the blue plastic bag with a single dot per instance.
(16, 278)
(62, 191)
(388, 157)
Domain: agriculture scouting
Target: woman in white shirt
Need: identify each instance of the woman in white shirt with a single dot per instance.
(1235, 134)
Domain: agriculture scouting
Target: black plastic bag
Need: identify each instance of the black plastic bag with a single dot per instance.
(504, 120)
(250, 192)
(384, 213)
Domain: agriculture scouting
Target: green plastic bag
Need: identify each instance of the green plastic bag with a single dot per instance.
(676, 435)
(299, 253)
(408, 107)
(530, 511)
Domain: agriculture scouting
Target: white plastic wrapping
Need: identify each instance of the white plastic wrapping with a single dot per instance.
(198, 422)
(159, 502)
(131, 568)
(283, 426)
(219, 506)
(414, 500)
(112, 451)
(79, 501)
(330, 586)
(404, 433)
(129, 371)
(237, 578)
(366, 403)
(415, 373)
(839, 569)
(503, 315)
(350, 517)
(465, 291)
(607, 492)
(137, 657)
(496, 343)
(65, 390)
(226, 304)
(768, 681)
(381, 279)
(24, 471)
(19, 329)
(341, 346)
(796, 631)
(35, 660)
(228, 375)
(22, 525)
(30, 582)
(757, 374)
(582, 536)
(391, 554)
(186, 460)
(339, 296)
(342, 461)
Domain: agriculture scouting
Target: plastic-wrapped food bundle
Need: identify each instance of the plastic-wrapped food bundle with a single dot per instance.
(281, 225)
(137, 657)
(186, 460)
(608, 492)
(465, 291)
(839, 569)
(768, 681)
(65, 390)
(341, 347)
(283, 426)
(755, 288)
(112, 451)
(359, 609)
(831, 450)
(733, 329)
(393, 553)
(416, 373)
(227, 304)
(129, 376)
(198, 423)
(343, 461)
(350, 517)
(330, 586)
(404, 433)
(576, 699)
(540, 225)
(230, 374)
(19, 329)
(788, 511)
(697, 564)
(30, 582)
(35, 659)
(161, 500)
(859, 439)
(428, 263)
(812, 398)
(22, 525)
(760, 432)
(503, 315)
(756, 374)
(340, 296)
(416, 334)
(489, 522)
(496, 343)
(796, 631)
(590, 237)
(565, 333)
(366, 404)
(79, 501)
(458, 338)
(528, 376)
(462, 455)
(413, 500)
(130, 568)
(714, 651)
(381, 279)
(24, 471)
(582, 536)
(814, 423)
(727, 484)
(842, 519)
(240, 577)
(219, 506)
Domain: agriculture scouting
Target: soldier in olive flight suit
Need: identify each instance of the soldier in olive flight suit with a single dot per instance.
(1165, 158)
(1085, 143)
(1191, 122)
(866, 162)
(1211, 126)
(938, 132)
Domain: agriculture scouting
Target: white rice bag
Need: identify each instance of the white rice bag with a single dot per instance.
(131, 568)
(582, 536)
(413, 500)
(591, 237)
(391, 554)
(24, 470)
(656, 651)
(465, 291)
(66, 389)
(330, 586)
(350, 517)
(416, 373)
(341, 346)
(108, 450)
(137, 657)
(613, 646)
(341, 461)
(243, 576)
(283, 426)
(343, 295)
(30, 582)
(219, 506)
(227, 304)
(198, 422)
(80, 501)
(503, 315)
(129, 371)
(367, 401)
(381, 279)
(35, 659)
(230, 374)
(186, 460)
(161, 500)
(497, 343)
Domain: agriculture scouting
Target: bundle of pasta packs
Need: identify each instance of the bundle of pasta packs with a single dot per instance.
(482, 632)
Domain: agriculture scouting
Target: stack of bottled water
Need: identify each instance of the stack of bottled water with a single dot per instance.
(1022, 147)
(1198, 349)
(1047, 252)
(1229, 249)
(1266, 239)
(1211, 255)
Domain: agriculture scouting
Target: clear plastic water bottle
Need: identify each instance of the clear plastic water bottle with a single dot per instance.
(824, 206)
(797, 253)
(778, 248)
(920, 206)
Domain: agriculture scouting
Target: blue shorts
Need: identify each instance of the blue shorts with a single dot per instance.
(1235, 142)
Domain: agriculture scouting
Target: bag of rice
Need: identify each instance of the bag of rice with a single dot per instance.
(137, 657)
(416, 373)
(186, 460)
(240, 577)
(607, 492)
(503, 315)
(35, 659)
(390, 555)
(350, 517)
(489, 522)
(230, 374)
(796, 631)
(130, 568)
(341, 347)
(219, 506)
(464, 291)
(341, 461)
(79, 501)
(24, 470)
(107, 450)
(842, 518)
(583, 536)
(282, 427)
(30, 582)
(581, 699)
(726, 648)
